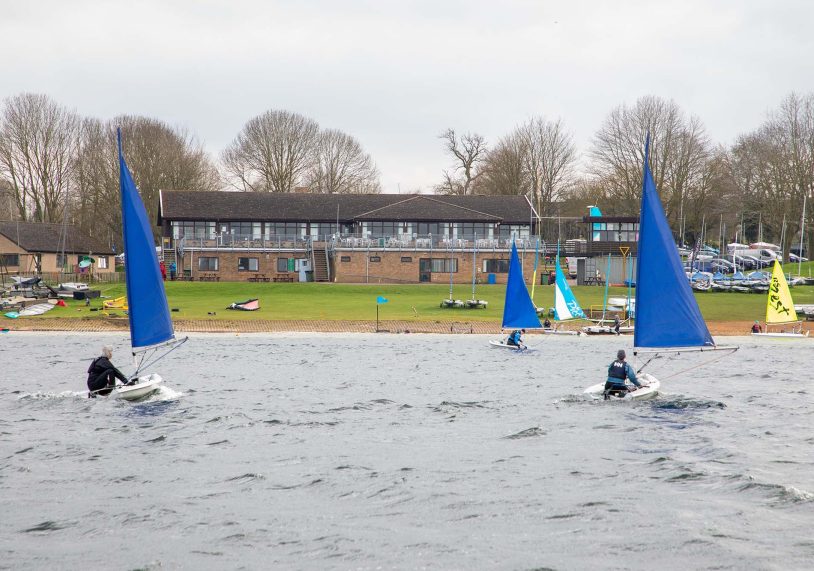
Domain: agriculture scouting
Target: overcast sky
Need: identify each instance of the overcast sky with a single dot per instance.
(396, 74)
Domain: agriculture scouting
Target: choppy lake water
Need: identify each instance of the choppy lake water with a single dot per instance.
(404, 452)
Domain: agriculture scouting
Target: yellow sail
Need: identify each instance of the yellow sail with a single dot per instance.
(779, 307)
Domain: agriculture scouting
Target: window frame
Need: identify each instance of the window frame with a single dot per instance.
(249, 264)
(496, 266)
(208, 263)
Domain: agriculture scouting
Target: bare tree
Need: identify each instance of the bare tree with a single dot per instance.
(679, 151)
(504, 170)
(774, 167)
(272, 153)
(341, 166)
(469, 151)
(96, 187)
(159, 157)
(38, 140)
(549, 158)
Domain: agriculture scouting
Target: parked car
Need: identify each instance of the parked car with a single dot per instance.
(741, 262)
(722, 265)
(796, 258)
(756, 263)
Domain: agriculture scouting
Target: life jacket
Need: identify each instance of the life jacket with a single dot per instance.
(617, 370)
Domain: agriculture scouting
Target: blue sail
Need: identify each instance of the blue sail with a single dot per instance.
(518, 310)
(667, 314)
(148, 312)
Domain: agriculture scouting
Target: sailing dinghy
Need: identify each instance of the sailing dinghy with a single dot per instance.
(601, 326)
(566, 306)
(668, 319)
(151, 328)
(780, 309)
(518, 310)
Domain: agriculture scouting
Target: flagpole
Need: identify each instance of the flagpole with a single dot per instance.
(802, 233)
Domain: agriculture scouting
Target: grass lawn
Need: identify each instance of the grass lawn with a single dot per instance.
(311, 301)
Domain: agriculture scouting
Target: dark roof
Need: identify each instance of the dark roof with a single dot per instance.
(600, 219)
(276, 207)
(42, 237)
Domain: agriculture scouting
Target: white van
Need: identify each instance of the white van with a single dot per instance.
(762, 254)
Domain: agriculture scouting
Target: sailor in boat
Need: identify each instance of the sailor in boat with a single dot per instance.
(547, 323)
(616, 324)
(516, 339)
(102, 375)
(618, 371)
(756, 327)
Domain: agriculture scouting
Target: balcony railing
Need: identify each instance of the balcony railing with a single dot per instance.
(358, 242)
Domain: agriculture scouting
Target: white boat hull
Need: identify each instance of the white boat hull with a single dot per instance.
(779, 335)
(650, 389)
(145, 386)
(74, 286)
(561, 332)
(504, 345)
(607, 329)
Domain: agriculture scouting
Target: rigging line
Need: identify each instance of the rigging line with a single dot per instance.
(697, 366)
(157, 359)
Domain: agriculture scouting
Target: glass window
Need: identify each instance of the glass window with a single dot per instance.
(282, 264)
(406, 259)
(468, 230)
(101, 261)
(190, 230)
(375, 258)
(323, 229)
(444, 265)
(208, 264)
(383, 229)
(283, 229)
(493, 266)
(247, 264)
(14, 259)
(241, 230)
(344, 259)
(519, 231)
(426, 228)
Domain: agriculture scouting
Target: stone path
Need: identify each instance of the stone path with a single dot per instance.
(263, 325)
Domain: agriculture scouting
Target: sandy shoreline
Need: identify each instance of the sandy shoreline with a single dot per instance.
(305, 326)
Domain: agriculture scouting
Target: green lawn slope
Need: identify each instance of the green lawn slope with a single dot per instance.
(313, 301)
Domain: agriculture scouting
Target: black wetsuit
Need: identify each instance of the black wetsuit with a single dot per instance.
(102, 377)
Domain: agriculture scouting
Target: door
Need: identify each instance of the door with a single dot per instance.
(424, 270)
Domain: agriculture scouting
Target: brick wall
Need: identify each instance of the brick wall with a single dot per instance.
(393, 267)
(353, 266)
(228, 264)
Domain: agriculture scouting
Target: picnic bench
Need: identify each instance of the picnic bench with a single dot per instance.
(259, 278)
(209, 278)
(283, 278)
(594, 281)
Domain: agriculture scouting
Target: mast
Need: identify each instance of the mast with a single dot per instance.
(607, 281)
(802, 233)
(536, 262)
(474, 252)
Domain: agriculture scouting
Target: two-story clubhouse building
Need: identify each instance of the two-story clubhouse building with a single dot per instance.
(370, 238)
